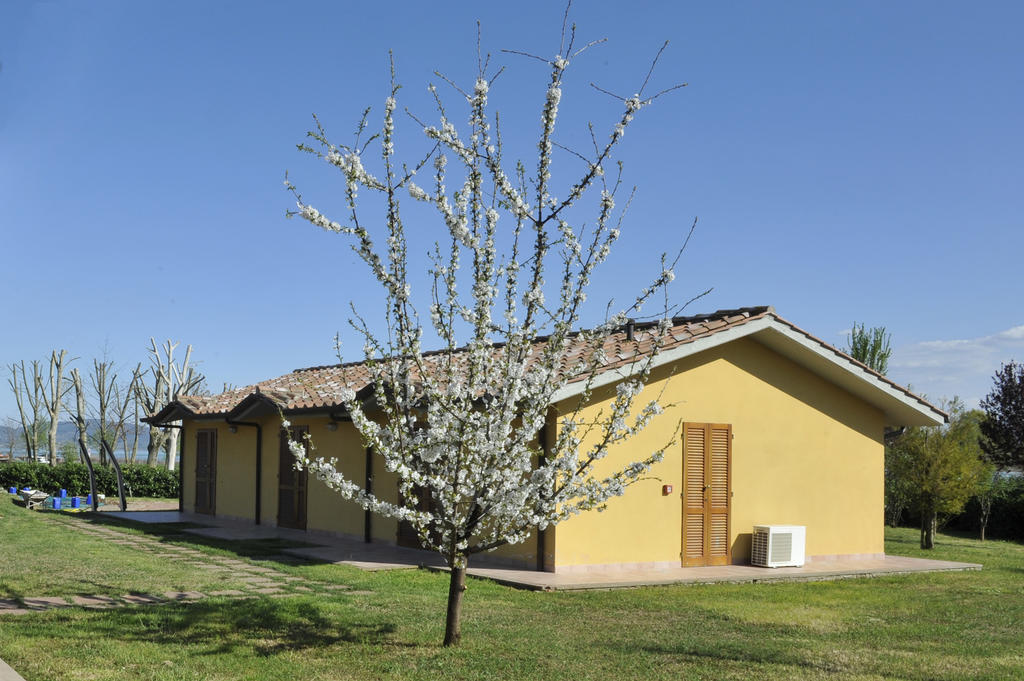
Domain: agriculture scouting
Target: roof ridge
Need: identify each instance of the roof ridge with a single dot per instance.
(752, 311)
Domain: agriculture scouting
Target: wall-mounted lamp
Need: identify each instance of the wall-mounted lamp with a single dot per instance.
(233, 429)
(332, 426)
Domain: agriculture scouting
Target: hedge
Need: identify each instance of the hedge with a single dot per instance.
(139, 480)
(1007, 518)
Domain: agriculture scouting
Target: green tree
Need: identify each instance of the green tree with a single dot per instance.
(942, 464)
(993, 487)
(870, 347)
(1004, 426)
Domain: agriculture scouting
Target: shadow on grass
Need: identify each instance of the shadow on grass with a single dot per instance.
(213, 627)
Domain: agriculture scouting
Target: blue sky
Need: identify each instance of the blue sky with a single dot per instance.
(855, 162)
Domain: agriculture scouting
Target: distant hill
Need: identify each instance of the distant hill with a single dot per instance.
(66, 432)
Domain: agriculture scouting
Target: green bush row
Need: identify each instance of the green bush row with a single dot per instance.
(1007, 518)
(139, 480)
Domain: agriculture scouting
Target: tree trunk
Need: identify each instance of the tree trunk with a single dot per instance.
(153, 449)
(986, 510)
(929, 523)
(453, 625)
(51, 439)
(172, 448)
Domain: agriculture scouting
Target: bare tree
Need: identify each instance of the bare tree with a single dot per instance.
(28, 396)
(126, 412)
(11, 438)
(102, 379)
(79, 418)
(53, 394)
(169, 381)
(111, 408)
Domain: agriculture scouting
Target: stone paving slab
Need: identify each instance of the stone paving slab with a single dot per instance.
(227, 592)
(183, 595)
(96, 602)
(141, 599)
(45, 602)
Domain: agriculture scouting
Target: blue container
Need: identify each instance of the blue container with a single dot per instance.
(56, 503)
(63, 494)
(88, 499)
(12, 490)
(76, 502)
(26, 489)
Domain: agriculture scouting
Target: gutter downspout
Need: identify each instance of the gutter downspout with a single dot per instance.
(368, 518)
(259, 462)
(542, 460)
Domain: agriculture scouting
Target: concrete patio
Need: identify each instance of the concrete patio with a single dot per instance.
(334, 549)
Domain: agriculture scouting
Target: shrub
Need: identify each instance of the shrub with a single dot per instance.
(139, 480)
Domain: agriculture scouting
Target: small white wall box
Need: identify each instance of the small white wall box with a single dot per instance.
(778, 545)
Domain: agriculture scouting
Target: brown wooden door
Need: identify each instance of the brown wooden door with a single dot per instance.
(291, 484)
(206, 472)
(707, 492)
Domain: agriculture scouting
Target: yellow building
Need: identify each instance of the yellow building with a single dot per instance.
(778, 428)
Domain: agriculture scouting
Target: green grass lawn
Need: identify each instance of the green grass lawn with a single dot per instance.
(925, 626)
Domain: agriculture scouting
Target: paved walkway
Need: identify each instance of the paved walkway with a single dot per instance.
(734, 574)
(8, 674)
(256, 580)
(340, 550)
(327, 548)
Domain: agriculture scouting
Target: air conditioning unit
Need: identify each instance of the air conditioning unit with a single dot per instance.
(778, 546)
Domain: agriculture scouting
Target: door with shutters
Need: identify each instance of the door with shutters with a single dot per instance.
(707, 493)
(291, 484)
(206, 471)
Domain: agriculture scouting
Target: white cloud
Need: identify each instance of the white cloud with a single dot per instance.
(962, 367)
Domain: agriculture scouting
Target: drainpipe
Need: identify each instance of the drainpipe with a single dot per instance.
(259, 460)
(368, 518)
(542, 460)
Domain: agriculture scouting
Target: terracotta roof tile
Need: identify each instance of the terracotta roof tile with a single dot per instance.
(322, 386)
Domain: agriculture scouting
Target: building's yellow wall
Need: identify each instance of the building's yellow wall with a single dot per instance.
(236, 471)
(326, 511)
(236, 468)
(804, 452)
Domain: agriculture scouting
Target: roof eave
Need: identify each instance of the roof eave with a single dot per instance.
(899, 405)
(173, 411)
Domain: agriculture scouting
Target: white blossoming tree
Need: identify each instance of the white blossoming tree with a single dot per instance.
(463, 427)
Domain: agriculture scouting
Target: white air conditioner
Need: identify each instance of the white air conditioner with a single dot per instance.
(778, 546)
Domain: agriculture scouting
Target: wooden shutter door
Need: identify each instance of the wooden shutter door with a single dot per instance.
(707, 460)
(291, 484)
(206, 471)
(719, 462)
(694, 458)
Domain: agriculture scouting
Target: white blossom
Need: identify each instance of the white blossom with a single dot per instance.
(462, 425)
